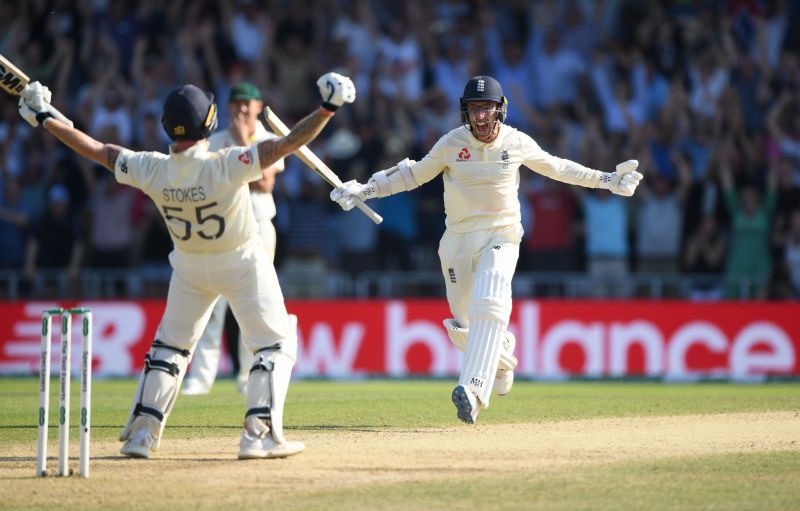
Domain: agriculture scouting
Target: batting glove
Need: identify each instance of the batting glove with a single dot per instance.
(335, 90)
(34, 103)
(624, 181)
(346, 194)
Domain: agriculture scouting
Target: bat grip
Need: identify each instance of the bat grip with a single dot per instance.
(58, 115)
(368, 211)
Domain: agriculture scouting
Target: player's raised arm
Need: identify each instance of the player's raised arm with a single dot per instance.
(335, 90)
(34, 110)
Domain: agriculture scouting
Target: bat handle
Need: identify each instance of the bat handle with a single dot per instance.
(58, 115)
(368, 211)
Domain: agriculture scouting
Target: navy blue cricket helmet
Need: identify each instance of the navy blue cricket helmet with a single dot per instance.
(189, 113)
(483, 88)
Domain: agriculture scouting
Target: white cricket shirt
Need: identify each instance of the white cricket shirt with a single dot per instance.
(481, 180)
(263, 203)
(203, 196)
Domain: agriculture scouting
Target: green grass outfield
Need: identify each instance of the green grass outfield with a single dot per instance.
(751, 480)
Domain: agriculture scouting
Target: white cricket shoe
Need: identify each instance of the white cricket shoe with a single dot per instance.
(140, 441)
(253, 448)
(193, 387)
(504, 378)
(466, 404)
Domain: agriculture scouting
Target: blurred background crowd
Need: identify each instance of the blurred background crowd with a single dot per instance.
(705, 94)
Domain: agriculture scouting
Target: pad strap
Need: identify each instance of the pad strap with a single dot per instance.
(264, 413)
(158, 344)
(160, 365)
(139, 410)
(260, 364)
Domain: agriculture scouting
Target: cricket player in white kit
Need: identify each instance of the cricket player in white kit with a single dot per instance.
(479, 162)
(244, 106)
(205, 201)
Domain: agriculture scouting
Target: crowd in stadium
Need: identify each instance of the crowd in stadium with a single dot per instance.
(705, 94)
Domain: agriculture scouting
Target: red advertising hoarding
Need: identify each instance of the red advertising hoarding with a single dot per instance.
(396, 338)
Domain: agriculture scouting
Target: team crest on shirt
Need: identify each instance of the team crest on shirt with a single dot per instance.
(464, 154)
(246, 157)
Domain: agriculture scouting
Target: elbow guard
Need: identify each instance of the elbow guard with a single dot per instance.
(395, 180)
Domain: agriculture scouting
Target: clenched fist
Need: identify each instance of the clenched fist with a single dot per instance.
(624, 181)
(336, 90)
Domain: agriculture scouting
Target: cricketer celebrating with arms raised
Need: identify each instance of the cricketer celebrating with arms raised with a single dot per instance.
(244, 106)
(479, 162)
(205, 201)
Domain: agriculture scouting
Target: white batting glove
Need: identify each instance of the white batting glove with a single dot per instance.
(336, 90)
(346, 194)
(37, 95)
(34, 103)
(624, 181)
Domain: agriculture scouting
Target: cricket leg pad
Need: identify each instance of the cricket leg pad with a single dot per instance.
(164, 369)
(489, 313)
(458, 336)
(504, 378)
(266, 395)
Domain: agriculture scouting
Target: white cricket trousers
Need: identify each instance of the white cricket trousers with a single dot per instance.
(205, 361)
(478, 268)
(245, 277)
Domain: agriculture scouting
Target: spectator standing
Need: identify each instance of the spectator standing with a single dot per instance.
(56, 243)
(749, 258)
(15, 217)
(112, 228)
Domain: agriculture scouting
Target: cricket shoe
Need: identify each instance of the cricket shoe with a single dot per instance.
(254, 448)
(504, 378)
(466, 404)
(193, 387)
(140, 441)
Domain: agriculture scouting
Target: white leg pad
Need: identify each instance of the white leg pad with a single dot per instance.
(165, 367)
(268, 385)
(489, 312)
(481, 358)
(458, 336)
(504, 378)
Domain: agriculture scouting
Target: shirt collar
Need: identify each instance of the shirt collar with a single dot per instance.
(196, 151)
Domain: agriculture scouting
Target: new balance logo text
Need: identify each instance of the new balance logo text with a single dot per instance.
(477, 382)
(452, 274)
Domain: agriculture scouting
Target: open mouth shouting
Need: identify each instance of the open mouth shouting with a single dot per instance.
(483, 129)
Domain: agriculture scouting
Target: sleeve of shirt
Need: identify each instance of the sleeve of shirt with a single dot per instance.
(432, 164)
(241, 164)
(560, 169)
(132, 168)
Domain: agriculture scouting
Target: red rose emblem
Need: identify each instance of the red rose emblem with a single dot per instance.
(246, 158)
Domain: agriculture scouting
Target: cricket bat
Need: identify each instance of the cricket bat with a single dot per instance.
(316, 164)
(14, 82)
